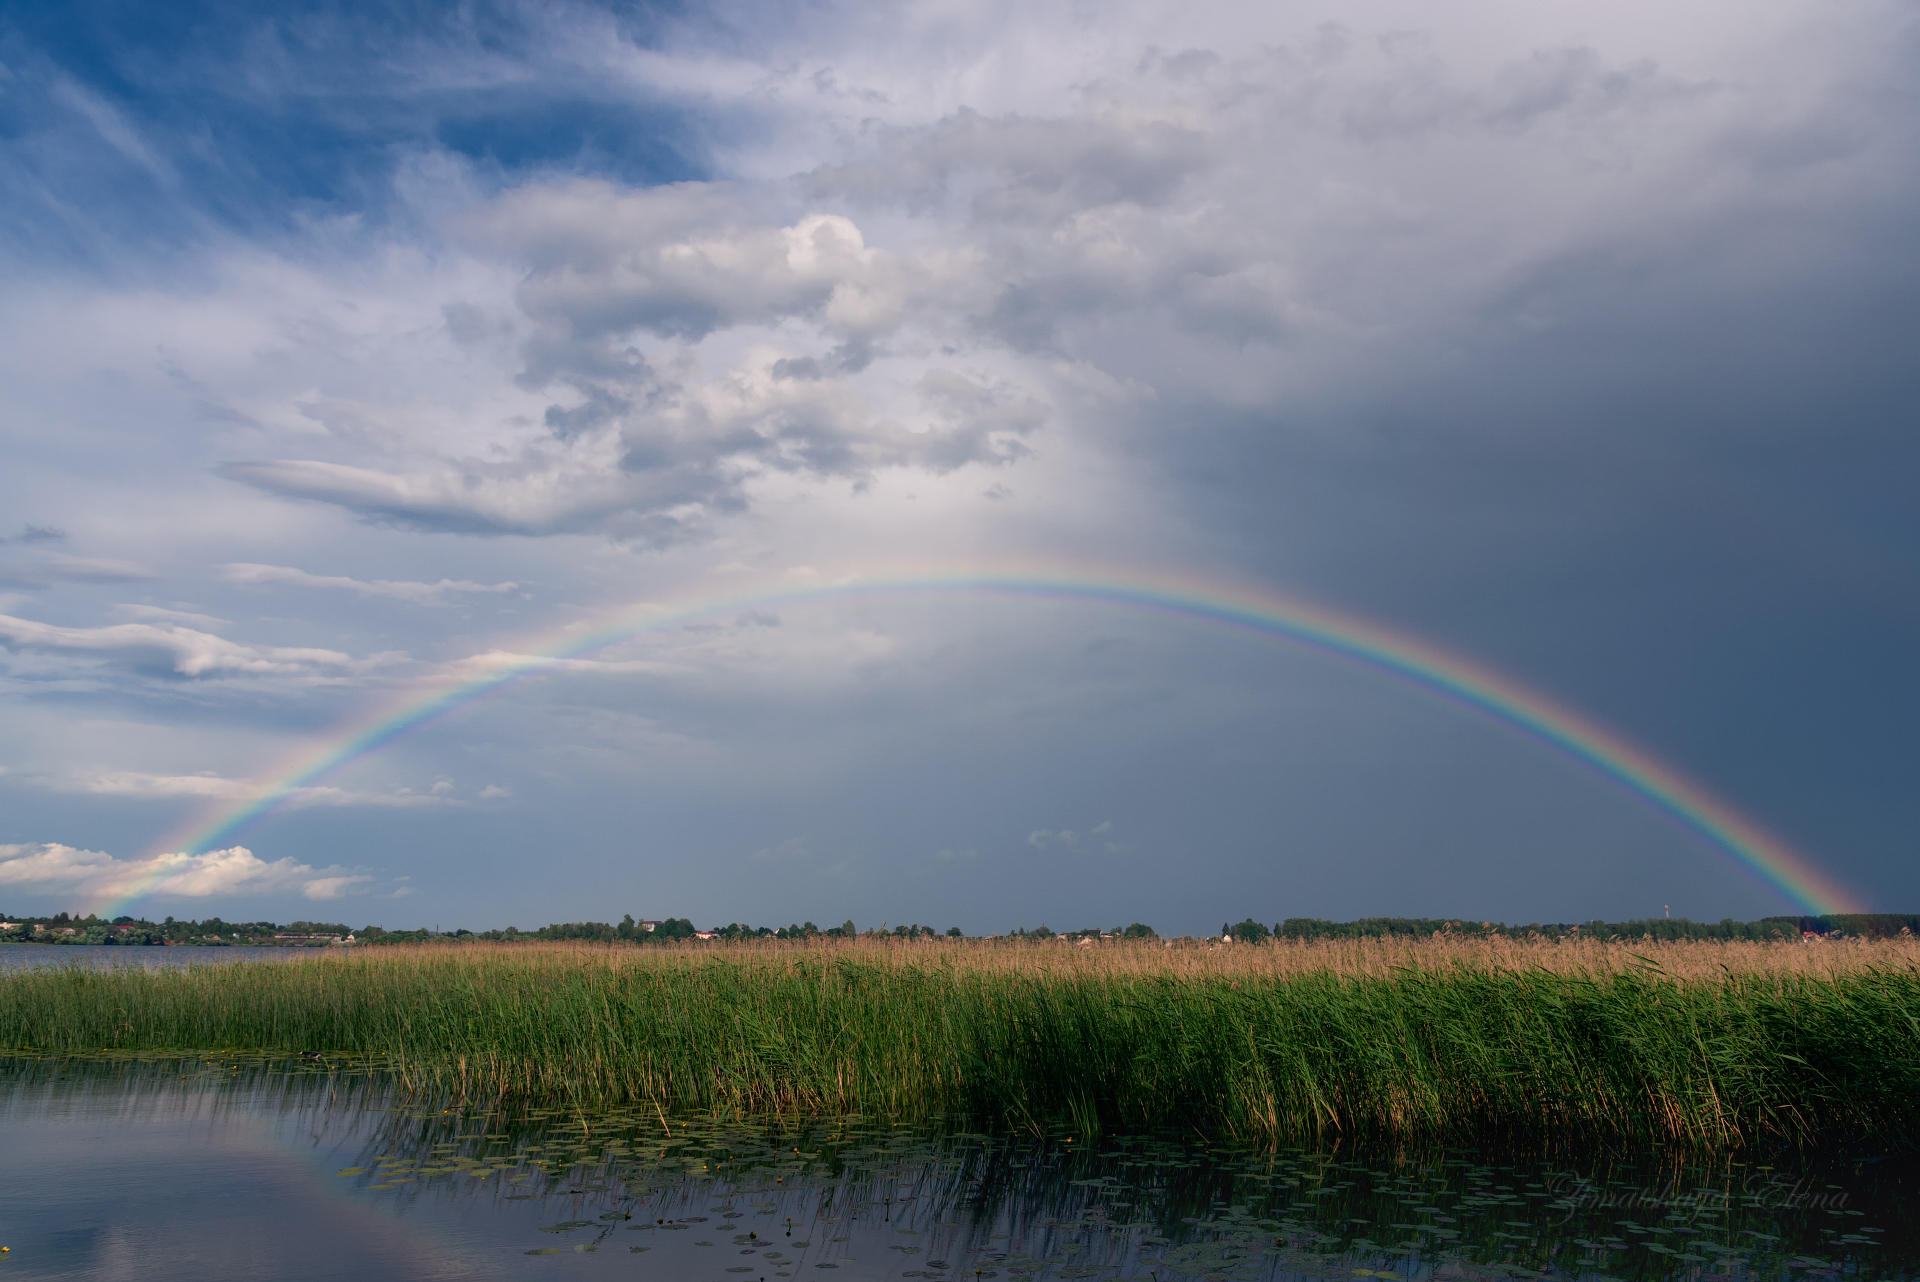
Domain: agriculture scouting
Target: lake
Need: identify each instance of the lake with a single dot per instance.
(41, 956)
(231, 1167)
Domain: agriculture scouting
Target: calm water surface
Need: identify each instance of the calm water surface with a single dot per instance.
(41, 956)
(227, 1168)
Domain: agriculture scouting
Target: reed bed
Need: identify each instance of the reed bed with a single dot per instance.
(1711, 1044)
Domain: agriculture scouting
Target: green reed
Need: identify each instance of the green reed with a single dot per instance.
(1455, 1050)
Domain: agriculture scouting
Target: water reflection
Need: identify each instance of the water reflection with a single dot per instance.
(410, 1190)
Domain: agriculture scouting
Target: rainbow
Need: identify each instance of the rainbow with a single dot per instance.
(1261, 611)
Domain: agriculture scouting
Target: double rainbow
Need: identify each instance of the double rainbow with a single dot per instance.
(1265, 612)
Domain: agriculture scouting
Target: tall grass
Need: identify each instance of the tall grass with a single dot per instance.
(1714, 1044)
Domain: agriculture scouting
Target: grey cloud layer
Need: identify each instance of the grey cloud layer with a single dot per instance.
(1221, 210)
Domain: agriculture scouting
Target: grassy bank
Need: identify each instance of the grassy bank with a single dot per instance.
(1706, 1043)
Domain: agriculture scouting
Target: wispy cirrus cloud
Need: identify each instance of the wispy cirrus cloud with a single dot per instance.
(1071, 839)
(156, 787)
(402, 590)
(45, 569)
(165, 614)
(479, 665)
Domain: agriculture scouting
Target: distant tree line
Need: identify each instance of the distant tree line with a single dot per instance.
(629, 931)
(1854, 925)
(66, 928)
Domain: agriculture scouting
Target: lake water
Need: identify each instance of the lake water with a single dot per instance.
(229, 1168)
(41, 956)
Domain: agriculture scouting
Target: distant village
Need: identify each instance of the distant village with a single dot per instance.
(68, 928)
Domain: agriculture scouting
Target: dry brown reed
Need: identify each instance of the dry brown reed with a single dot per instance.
(1272, 959)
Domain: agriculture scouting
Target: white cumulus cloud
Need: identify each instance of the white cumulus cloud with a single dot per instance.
(50, 867)
(690, 342)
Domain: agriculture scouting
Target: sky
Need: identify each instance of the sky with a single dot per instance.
(354, 354)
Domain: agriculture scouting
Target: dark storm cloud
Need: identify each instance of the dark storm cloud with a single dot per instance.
(1666, 474)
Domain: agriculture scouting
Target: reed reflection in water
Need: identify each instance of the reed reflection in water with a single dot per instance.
(226, 1166)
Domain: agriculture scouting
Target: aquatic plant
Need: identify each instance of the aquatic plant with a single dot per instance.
(1705, 1043)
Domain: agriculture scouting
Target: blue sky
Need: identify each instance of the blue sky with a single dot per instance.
(344, 349)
